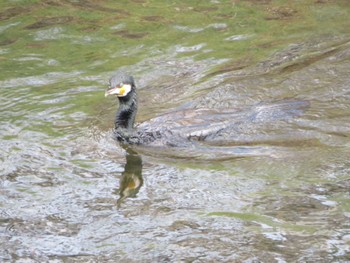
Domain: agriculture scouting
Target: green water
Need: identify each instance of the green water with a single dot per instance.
(278, 193)
(94, 37)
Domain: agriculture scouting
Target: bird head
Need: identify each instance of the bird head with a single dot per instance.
(120, 85)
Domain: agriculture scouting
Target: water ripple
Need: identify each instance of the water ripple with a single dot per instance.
(41, 80)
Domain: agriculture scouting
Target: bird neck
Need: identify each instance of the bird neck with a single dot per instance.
(127, 110)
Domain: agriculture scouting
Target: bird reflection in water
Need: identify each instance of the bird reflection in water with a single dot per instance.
(131, 180)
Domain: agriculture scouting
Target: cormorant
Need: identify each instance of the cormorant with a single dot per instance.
(181, 127)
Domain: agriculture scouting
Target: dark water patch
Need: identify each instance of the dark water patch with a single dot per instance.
(205, 9)
(92, 27)
(8, 41)
(280, 13)
(154, 18)
(139, 1)
(323, 1)
(296, 209)
(284, 246)
(290, 54)
(45, 226)
(37, 45)
(13, 12)
(262, 2)
(131, 35)
(231, 66)
(93, 6)
(51, 21)
(305, 62)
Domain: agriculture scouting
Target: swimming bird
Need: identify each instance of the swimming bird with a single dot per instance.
(190, 126)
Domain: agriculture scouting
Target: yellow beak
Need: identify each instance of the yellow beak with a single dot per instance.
(119, 91)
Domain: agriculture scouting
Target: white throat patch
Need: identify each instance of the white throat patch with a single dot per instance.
(124, 90)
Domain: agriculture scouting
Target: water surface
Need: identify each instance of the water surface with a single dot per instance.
(279, 192)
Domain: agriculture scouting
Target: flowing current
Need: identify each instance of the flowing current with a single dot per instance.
(276, 75)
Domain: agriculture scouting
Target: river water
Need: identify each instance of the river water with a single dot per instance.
(279, 192)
